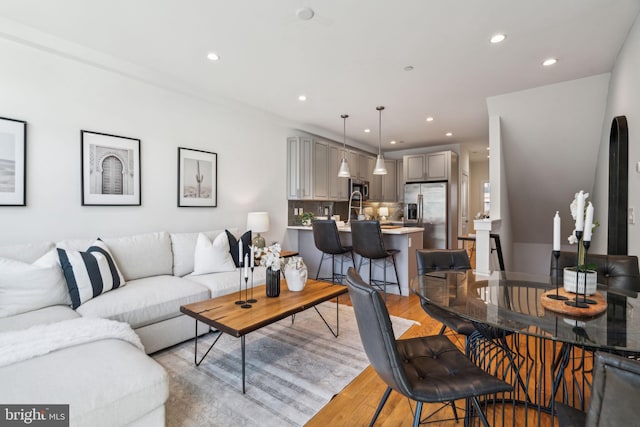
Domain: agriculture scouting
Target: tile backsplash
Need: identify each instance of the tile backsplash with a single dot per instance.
(329, 208)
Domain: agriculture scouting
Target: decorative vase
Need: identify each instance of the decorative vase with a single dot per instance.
(590, 276)
(273, 282)
(296, 277)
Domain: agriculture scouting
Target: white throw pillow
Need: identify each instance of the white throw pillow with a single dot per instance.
(212, 257)
(25, 287)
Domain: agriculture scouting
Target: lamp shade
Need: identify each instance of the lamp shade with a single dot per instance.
(344, 172)
(380, 168)
(258, 221)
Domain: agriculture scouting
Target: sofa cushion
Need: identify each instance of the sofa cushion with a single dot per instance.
(25, 287)
(228, 282)
(26, 253)
(145, 301)
(183, 246)
(105, 383)
(212, 257)
(142, 255)
(42, 316)
(236, 243)
(90, 273)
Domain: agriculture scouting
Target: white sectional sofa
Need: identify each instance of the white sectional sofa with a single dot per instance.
(110, 382)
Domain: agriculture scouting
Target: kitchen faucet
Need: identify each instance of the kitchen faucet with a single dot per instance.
(359, 209)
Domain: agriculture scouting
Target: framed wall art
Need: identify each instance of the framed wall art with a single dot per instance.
(197, 178)
(110, 170)
(13, 162)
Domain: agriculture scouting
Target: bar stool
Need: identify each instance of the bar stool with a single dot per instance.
(327, 240)
(367, 242)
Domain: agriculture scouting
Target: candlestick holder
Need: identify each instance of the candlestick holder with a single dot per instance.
(252, 300)
(557, 296)
(240, 300)
(246, 302)
(586, 244)
(576, 302)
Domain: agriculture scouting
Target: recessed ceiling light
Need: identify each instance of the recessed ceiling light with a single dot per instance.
(367, 130)
(408, 68)
(497, 38)
(429, 119)
(302, 97)
(392, 142)
(305, 13)
(549, 61)
(488, 148)
(213, 56)
(449, 134)
(488, 156)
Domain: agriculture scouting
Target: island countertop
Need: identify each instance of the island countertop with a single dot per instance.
(398, 230)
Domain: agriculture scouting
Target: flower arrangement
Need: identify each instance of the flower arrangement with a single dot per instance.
(574, 213)
(270, 256)
(582, 214)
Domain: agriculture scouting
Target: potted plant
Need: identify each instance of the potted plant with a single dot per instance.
(295, 271)
(306, 218)
(576, 277)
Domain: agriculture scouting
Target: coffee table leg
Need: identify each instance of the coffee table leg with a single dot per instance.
(337, 331)
(243, 364)
(195, 351)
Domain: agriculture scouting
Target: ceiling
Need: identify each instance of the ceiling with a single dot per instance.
(349, 58)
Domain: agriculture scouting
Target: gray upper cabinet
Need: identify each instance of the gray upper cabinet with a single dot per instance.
(427, 167)
(389, 182)
(354, 166)
(299, 168)
(320, 170)
(363, 167)
(338, 187)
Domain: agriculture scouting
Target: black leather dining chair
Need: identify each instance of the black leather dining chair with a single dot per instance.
(327, 241)
(616, 381)
(430, 260)
(424, 369)
(368, 243)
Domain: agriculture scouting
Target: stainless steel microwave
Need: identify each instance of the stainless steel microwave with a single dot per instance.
(361, 186)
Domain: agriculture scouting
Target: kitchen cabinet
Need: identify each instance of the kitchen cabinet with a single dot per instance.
(320, 170)
(354, 166)
(363, 167)
(299, 168)
(389, 182)
(427, 167)
(338, 187)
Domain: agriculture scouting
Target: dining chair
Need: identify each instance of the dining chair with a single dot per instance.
(327, 241)
(616, 381)
(425, 369)
(368, 243)
(430, 260)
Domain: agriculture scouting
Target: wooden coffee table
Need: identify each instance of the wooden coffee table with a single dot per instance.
(223, 314)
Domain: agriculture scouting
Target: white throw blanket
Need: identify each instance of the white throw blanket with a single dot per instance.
(16, 346)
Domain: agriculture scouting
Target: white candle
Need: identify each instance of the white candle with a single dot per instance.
(556, 232)
(580, 211)
(588, 223)
(240, 257)
(253, 256)
(246, 266)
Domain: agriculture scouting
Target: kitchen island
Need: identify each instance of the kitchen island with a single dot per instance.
(405, 239)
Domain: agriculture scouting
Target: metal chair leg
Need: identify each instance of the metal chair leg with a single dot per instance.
(333, 269)
(320, 266)
(416, 418)
(385, 396)
(393, 258)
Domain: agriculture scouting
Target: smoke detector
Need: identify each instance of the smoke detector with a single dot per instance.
(305, 13)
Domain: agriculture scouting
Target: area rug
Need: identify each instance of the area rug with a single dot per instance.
(293, 370)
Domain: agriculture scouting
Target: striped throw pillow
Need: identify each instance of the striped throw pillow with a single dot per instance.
(89, 274)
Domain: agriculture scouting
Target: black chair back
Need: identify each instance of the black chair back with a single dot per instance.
(367, 239)
(326, 237)
(442, 259)
(376, 333)
(614, 271)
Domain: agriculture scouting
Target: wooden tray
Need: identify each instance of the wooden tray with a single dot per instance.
(560, 307)
(389, 227)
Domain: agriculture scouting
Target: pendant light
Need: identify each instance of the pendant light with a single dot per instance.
(380, 169)
(344, 172)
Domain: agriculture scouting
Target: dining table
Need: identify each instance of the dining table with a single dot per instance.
(543, 349)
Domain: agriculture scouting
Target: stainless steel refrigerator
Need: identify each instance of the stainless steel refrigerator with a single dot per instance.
(428, 205)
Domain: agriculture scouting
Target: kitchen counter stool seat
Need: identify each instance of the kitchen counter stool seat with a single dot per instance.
(327, 241)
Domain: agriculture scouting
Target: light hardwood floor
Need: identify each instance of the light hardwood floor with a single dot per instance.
(355, 405)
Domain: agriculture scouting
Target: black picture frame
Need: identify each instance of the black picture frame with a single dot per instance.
(195, 168)
(13, 162)
(111, 170)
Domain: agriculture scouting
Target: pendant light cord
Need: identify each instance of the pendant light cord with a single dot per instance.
(344, 135)
(380, 108)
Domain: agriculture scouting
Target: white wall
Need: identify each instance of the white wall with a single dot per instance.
(478, 172)
(58, 97)
(623, 100)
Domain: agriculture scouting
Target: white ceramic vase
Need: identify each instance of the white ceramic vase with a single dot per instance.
(296, 277)
(569, 281)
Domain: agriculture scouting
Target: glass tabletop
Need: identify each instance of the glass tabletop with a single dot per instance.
(511, 301)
